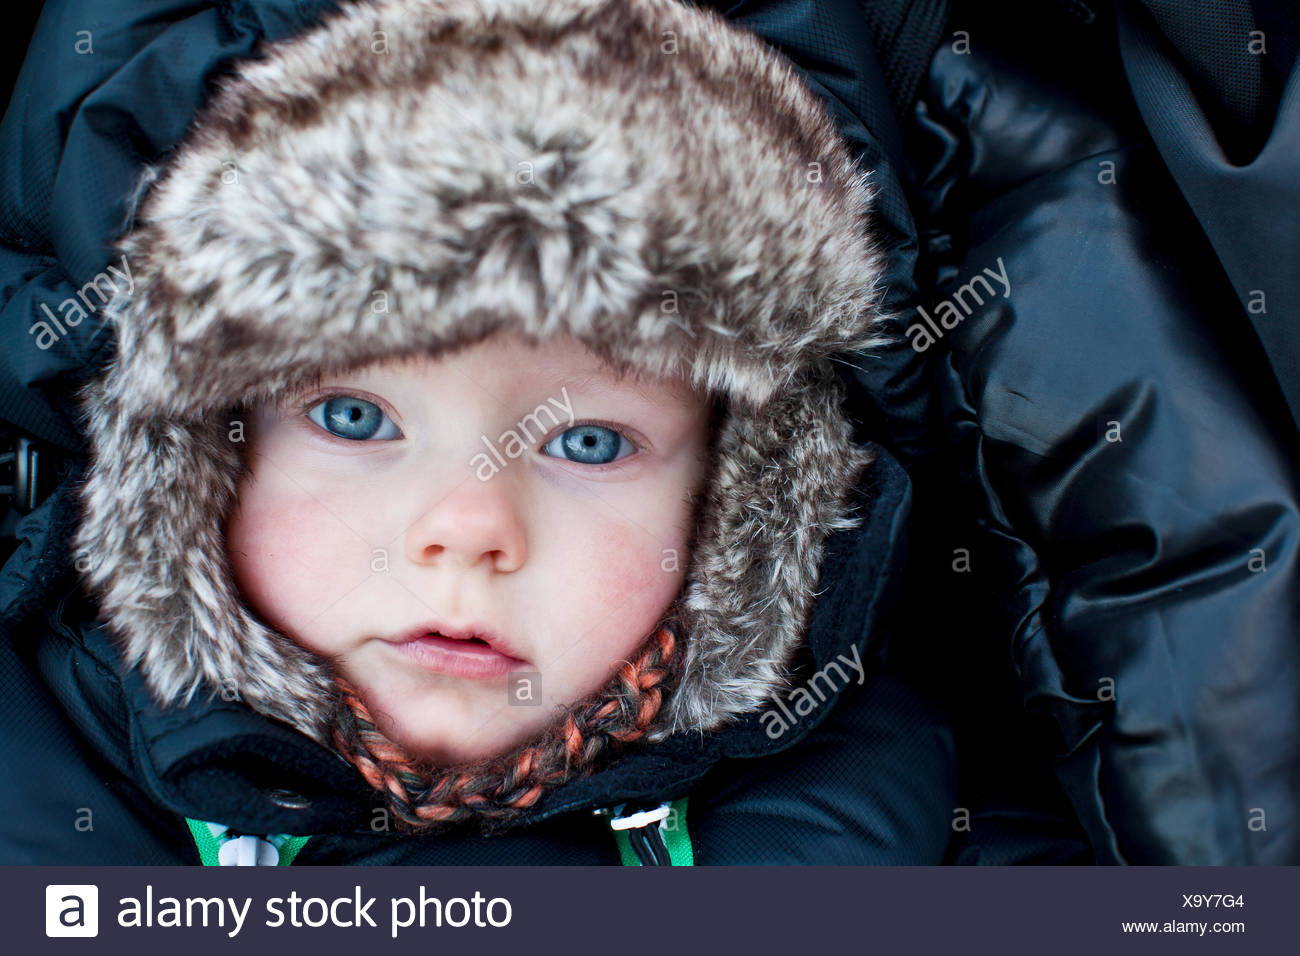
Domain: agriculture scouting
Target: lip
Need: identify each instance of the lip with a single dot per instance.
(448, 649)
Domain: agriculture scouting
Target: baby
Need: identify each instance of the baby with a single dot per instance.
(477, 412)
(374, 518)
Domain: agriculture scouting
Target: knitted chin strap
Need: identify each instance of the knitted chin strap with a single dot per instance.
(424, 797)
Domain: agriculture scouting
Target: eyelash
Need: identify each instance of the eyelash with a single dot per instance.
(304, 408)
(620, 430)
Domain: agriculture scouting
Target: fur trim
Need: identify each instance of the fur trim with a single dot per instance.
(539, 165)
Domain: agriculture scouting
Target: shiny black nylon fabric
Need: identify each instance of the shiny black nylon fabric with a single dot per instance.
(1121, 461)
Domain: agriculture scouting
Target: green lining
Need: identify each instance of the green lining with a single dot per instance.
(676, 839)
(210, 847)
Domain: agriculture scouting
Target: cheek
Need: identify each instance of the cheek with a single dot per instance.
(645, 577)
(644, 556)
(621, 580)
(650, 568)
(613, 593)
(288, 558)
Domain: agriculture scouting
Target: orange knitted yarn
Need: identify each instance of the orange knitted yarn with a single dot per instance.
(424, 797)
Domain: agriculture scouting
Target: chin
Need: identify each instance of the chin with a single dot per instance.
(436, 748)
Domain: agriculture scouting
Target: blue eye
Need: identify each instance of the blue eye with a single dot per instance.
(588, 445)
(345, 416)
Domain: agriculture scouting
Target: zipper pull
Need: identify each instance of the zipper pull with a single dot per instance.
(642, 818)
(644, 831)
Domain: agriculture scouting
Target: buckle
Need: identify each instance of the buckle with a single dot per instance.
(21, 468)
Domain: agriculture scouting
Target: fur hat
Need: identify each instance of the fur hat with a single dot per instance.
(544, 166)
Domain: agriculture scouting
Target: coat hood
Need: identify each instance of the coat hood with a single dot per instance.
(381, 151)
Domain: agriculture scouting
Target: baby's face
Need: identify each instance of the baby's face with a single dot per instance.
(524, 493)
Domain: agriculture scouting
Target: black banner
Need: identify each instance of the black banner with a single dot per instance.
(633, 910)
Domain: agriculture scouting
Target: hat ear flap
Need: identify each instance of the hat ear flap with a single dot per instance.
(155, 498)
(782, 483)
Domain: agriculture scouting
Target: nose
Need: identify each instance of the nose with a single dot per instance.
(474, 522)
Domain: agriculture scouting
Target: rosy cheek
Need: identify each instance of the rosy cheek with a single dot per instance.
(642, 575)
(284, 558)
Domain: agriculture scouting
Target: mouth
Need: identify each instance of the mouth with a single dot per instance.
(471, 651)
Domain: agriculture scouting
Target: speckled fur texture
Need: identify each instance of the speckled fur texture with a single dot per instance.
(385, 150)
